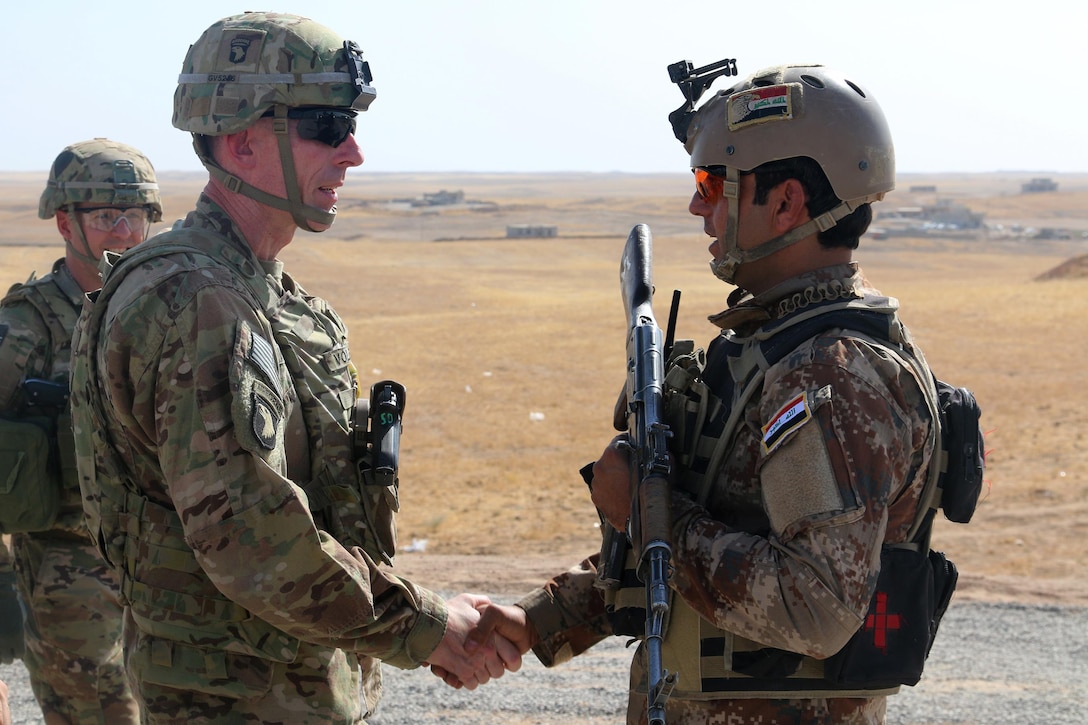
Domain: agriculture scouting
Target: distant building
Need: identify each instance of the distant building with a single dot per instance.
(923, 189)
(952, 214)
(444, 198)
(1036, 186)
(944, 215)
(1051, 233)
(519, 231)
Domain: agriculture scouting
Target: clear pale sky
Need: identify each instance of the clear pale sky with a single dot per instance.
(573, 85)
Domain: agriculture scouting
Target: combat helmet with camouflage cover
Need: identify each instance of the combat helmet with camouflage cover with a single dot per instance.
(245, 67)
(100, 172)
(786, 112)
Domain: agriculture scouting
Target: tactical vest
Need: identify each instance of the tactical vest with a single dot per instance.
(51, 298)
(145, 540)
(713, 663)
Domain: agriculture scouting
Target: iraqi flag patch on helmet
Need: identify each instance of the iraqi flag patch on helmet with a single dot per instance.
(759, 105)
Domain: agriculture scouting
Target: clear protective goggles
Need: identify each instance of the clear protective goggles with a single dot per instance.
(107, 218)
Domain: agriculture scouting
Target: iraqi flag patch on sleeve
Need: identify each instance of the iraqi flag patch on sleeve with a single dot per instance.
(789, 418)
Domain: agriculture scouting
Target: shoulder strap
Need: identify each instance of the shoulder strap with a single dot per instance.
(59, 318)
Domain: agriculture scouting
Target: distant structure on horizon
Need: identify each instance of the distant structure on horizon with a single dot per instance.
(438, 198)
(945, 215)
(522, 231)
(1036, 186)
(444, 198)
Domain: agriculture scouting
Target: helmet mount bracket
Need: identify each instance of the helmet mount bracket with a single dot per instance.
(693, 83)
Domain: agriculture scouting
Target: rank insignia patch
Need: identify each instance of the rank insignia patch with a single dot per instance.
(789, 418)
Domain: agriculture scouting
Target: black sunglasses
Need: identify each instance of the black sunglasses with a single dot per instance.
(330, 126)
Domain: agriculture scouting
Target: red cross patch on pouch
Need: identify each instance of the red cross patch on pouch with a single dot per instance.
(789, 418)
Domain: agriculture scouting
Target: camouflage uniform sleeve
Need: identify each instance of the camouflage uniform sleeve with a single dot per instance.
(249, 526)
(568, 614)
(24, 348)
(834, 445)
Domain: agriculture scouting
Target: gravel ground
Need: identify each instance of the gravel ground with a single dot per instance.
(992, 663)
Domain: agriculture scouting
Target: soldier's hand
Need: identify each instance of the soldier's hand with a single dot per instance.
(474, 665)
(611, 488)
(5, 712)
(510, 623)
(11, 620)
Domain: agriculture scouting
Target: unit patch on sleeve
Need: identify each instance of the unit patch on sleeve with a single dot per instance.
(258, 408)
(789, 418)
(266, 418)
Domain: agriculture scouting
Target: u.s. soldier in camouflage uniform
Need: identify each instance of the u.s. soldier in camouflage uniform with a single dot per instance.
(104, 196)
(778, 517)
(213, 402)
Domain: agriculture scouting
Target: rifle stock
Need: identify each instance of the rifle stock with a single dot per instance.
(648, 434)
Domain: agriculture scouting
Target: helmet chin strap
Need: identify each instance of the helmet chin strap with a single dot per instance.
(77, 232)
(725, 269)
(302, 214)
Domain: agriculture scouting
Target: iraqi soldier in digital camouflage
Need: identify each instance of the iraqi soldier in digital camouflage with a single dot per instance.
(213, 401)
(104, 196)
(791, 477)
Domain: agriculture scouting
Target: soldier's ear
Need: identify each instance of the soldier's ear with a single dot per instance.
(241, 149)
(787, 202)
(64, 225)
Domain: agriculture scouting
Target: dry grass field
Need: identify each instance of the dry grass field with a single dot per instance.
(512, 352)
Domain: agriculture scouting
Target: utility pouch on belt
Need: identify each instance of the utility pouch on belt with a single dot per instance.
(890, 648)
(29, 475)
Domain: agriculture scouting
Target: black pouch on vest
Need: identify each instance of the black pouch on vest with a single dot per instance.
(891, 646)
(961, 482)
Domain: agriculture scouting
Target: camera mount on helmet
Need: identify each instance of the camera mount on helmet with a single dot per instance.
(693, 83)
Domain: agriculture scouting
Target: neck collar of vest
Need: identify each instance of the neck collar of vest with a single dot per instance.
(746, 312)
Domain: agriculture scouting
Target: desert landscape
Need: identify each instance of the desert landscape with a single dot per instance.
(512, 350)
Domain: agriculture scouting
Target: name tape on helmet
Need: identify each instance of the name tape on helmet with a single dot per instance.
(272, 78)
(144, 186)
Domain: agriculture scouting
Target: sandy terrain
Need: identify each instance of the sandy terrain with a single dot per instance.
(512, 353)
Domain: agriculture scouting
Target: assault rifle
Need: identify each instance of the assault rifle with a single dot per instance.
(648, 433)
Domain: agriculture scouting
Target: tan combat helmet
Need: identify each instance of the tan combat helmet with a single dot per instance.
(251, 65)
(785, 112)
(103, 172)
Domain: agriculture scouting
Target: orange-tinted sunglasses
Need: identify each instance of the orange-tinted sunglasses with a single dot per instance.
(708, 185)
